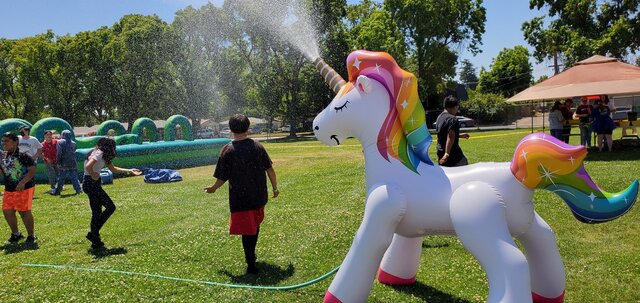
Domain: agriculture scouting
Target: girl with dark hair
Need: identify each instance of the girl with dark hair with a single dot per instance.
(101, 156)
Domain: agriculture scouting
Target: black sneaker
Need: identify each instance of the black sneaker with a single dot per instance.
(15, 237)
(31, 239)
(252, 270)
(96, 242)
(97, 245)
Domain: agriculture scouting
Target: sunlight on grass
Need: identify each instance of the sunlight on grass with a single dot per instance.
(177, 230)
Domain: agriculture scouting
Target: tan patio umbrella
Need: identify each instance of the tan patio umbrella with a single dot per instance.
(597, 75)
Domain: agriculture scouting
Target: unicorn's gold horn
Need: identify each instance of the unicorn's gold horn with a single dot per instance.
(331, 77)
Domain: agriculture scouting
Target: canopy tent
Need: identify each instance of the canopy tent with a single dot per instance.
(597, 75)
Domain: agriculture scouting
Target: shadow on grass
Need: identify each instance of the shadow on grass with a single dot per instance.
(436, 242)
(14, 248)
(621, 153)
(104, 252)
(288, 139)
(269, 274)
(427, 293)
(435, 245)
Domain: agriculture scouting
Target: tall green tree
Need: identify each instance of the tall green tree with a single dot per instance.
(468, 74)
(10, 99)
(510, 73)
(73, 79)
(582, 28)
(434, 31)
(100, 78)
(490, 107)
(202, 39)
(25, 72)
(373, 28)
(145, 49)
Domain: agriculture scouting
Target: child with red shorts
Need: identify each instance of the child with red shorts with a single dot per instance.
(243, 162)
(18, 170)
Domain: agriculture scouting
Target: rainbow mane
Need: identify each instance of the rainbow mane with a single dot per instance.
(404, 134)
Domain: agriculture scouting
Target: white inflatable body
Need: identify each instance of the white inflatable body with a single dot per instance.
(483, 204)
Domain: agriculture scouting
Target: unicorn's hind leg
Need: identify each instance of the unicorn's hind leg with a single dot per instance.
(384, 209)
(545, 263)
(400, 263)
(479, 218)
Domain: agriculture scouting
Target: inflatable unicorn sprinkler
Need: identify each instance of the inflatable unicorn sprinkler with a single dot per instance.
(485, 204)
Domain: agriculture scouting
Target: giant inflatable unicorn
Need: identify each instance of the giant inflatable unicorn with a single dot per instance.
(485, 204)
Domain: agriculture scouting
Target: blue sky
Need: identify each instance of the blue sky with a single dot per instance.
(22, 18)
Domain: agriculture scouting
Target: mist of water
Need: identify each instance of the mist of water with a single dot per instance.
(289, 20)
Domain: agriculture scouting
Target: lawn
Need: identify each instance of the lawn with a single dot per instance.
(176, 230)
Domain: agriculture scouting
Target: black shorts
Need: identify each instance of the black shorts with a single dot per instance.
(605, 132)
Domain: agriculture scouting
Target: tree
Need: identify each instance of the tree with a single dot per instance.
(145, 49)
(434, 31)
(489, 106)
(25, 75)
(202, 37)
(468, 74)
(582, 28)
(100, 82)
(510, 72)
(542, 78)
(373, 28)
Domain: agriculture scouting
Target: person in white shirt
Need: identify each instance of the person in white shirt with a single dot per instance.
(608, 104)
(101, 156)
(29, 145)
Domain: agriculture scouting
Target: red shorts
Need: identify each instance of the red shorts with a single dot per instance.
(246, 222)
(18, 200)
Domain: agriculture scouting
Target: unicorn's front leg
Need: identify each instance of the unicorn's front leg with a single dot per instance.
(400, 263)
(384, 209)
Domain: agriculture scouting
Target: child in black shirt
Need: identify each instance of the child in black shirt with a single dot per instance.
(243, 162)
(18, 169)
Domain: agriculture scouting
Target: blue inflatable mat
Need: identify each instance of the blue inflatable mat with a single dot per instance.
(161, 175)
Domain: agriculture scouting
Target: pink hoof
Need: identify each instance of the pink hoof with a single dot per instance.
(330, 298)
(387, 278)
(540, 299)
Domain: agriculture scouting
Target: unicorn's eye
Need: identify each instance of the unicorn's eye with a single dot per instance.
(339, 108)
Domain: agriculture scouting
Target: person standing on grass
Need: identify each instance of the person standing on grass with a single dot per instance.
(102, 155)
(583, 111)
(555, 121)
(448, 129)
(602, 124)
(567, 114)
(18, 169)
(243, 162)
(67, 163)
(49, 158)
(28, 144)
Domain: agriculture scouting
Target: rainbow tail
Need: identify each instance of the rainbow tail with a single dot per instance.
(542, 161)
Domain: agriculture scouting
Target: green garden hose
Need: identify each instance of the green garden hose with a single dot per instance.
(290, 287)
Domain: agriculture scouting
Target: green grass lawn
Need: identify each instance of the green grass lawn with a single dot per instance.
(176, 230)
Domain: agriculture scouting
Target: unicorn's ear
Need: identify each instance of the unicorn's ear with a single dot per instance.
(363, 83)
